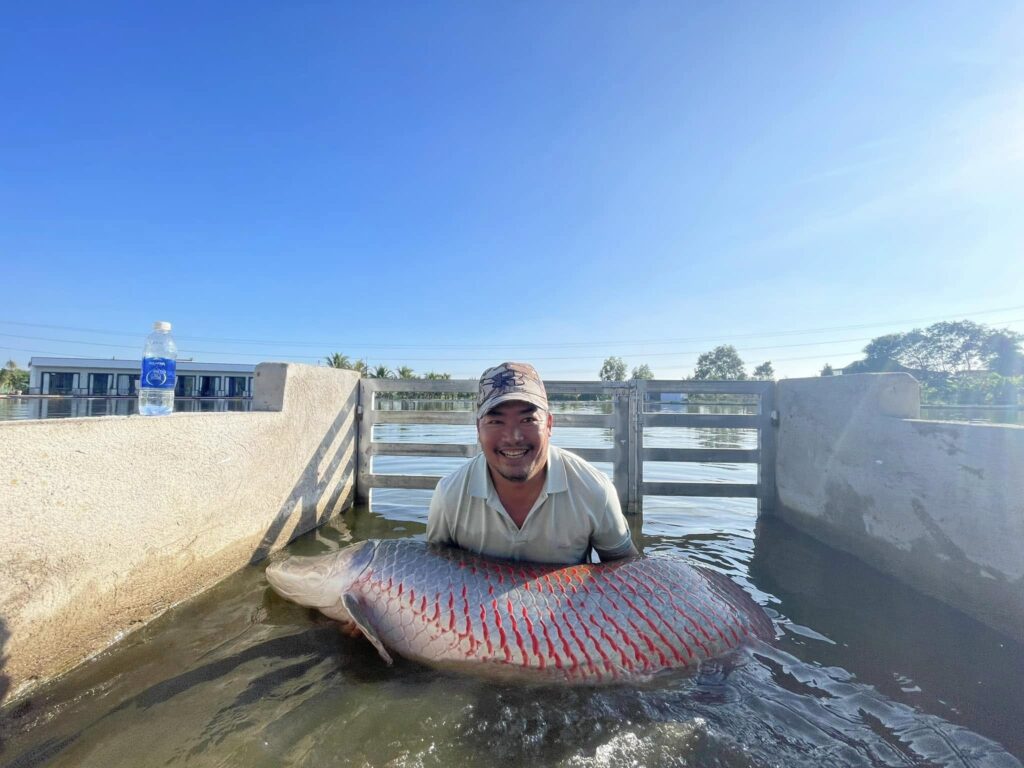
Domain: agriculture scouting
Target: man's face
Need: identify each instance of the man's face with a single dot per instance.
(514, 437)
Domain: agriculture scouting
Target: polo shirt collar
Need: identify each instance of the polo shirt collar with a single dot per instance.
(480, 485)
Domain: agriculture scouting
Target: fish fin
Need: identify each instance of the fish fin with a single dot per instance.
(355, 610)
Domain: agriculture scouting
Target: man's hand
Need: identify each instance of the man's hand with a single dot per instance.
(349, 628)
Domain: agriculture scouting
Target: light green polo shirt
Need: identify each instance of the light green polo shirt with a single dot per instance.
(577, 509)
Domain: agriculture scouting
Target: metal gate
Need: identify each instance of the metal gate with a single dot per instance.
(630, 408)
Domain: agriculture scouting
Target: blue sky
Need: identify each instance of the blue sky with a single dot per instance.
(448, 185)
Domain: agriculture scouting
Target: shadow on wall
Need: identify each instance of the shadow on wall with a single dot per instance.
(319, 488)
(5, 681)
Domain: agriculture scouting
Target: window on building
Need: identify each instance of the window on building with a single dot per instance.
(208, 386)
(185, 386)
(60, 383)
(236, 386)
(127, 383)
(99, 384)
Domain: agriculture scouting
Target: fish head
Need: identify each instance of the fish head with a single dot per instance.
(321, 581)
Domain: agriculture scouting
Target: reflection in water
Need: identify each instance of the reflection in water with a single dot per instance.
(912, 648)
(21, 408)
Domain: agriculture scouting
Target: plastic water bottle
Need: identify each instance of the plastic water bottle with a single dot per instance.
(159, 360)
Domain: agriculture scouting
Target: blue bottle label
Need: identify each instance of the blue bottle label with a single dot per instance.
(158, 372)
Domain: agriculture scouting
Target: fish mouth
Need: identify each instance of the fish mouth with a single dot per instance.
(319, 581)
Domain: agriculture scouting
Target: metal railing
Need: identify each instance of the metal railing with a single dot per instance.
(631, 413)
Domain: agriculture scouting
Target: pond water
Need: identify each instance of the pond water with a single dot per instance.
(18, 408)
(976, 414)
(863, 672)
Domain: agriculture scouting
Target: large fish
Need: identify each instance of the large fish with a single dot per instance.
(586, 623)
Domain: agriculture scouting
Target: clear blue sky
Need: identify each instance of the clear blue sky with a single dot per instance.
(448, 185)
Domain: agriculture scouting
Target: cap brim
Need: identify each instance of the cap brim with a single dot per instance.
(494, 402)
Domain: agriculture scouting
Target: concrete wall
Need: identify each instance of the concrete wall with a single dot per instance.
(938, 505)
(106, 522)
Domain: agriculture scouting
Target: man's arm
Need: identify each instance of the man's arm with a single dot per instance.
(437, 524)
(625, 553)
(611, 538)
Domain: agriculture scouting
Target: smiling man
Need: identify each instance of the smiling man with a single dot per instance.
(522, 498)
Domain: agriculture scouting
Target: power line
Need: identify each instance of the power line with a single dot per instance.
(605, 344)
(599, 356)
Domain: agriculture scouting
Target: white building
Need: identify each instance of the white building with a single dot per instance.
(92, 377)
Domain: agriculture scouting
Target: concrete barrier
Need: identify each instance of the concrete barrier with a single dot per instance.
(939, 505)
(106, 522)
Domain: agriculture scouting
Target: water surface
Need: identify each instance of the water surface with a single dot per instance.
(864, 671)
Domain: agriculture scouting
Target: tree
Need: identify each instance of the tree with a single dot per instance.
(405, 372)
(723, 362)
(613, 369)
(642, 372)
(433, 376)
(882, 354)
(338, 360)
(1004, 354)
(945, 349)
(827, 370)
(381, 372)
(12, 378)
(764, 371)
(360, 367)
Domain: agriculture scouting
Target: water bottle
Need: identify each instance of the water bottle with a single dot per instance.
(159, 360)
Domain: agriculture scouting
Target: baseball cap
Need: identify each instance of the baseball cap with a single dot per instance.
(510, 381)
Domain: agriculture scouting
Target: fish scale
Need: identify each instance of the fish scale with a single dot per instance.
(584, 623)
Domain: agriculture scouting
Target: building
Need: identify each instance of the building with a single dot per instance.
(92, 377)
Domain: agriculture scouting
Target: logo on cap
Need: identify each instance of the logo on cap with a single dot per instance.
(510, 381)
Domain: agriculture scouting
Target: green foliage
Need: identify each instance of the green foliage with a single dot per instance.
(338, 360)
(1003, 349)
(764, 371)
(958, 362)
(973, 389)
(827, 370)
(721, 363)
(642, 372)
(613, 369)
(13, 378)
(949, 348)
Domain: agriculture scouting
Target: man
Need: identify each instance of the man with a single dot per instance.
(522, 498)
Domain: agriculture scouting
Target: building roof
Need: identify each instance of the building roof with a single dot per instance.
(99, 363)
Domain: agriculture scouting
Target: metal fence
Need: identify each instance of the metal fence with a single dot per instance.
(635, 406)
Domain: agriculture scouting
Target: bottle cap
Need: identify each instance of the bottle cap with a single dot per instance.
(161, 325)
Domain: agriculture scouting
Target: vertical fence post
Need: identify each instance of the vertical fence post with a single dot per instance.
(621, 409)
(364, 436)
(637, 398)
(768, 420)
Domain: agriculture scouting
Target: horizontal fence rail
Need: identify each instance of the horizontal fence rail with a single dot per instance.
(633, 409)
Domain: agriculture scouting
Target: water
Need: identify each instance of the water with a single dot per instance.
(864, 672)
(974, 414)
(19, 408)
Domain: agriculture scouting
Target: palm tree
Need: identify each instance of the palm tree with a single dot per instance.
(7, 375)
(382, 372)
(360, 367)
(338, 360)
(405, 372)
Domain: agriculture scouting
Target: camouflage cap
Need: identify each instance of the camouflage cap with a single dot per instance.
(510, 381)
